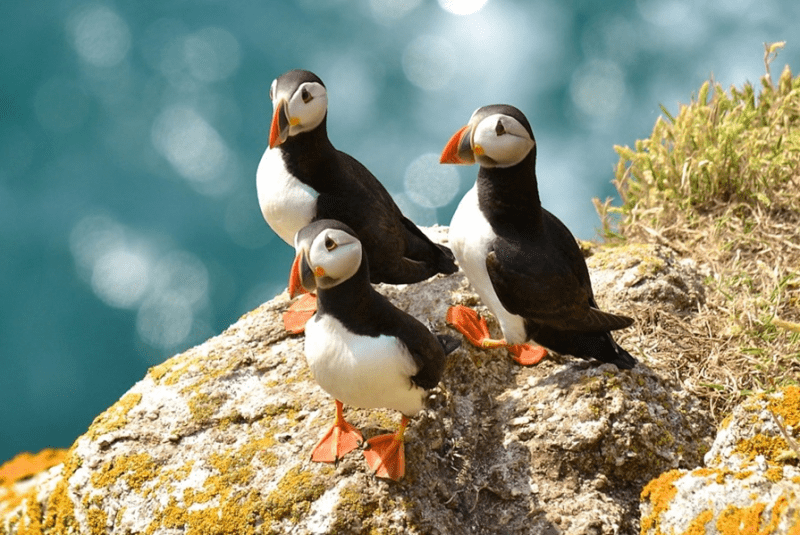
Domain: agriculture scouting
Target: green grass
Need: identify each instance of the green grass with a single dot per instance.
(719, 182)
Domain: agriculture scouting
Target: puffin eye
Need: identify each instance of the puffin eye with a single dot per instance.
(330, 245)
(306, 96)
(499, 129)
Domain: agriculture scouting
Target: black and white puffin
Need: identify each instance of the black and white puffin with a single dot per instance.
(361, 349)
(524, 263)
(302, 178)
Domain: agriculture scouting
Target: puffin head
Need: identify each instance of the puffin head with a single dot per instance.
(299, 104)
(496, 136)
(328, 253)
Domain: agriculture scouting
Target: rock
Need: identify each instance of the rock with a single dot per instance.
(750, 482)
(647, 273)
(218, 438)
(25, 472)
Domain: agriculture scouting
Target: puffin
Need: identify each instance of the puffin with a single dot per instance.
(523, 262)
(361, 349)
(302, 178)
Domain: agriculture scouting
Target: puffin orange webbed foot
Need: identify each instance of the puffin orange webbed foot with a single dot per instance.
(298, 314)
(472, 326)
(386, 454)
(341, 439)
(527, 354)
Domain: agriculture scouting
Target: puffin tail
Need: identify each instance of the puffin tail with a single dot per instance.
(447, 261)
(421, 248)
(448, 343)
(620, 358)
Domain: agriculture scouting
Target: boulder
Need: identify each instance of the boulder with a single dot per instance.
(217, 440)
(750, 482)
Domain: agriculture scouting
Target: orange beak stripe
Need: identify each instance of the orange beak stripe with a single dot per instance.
(274, 129)
(450, 152)
(295, 285)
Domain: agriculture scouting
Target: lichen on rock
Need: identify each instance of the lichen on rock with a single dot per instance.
(748, 484)
(218, 438)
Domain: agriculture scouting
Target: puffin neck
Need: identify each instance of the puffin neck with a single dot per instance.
(307, 153)
(509, 196)
(349, 296)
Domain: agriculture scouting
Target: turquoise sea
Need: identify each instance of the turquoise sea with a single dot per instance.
(130, 133)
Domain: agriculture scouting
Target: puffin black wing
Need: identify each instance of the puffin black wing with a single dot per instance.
(544, 291)
(398, 251)
(427, 349)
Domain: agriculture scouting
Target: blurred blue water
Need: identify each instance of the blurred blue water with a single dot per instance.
(130, 135)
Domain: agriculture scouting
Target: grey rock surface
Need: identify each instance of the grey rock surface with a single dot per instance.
(750, 482)
(218, 439)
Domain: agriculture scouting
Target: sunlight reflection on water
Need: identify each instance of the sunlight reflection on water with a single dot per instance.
(99, 35)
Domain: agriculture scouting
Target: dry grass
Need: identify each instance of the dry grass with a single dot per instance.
(720, 183)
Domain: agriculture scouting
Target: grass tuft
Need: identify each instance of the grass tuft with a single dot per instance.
(719, 182)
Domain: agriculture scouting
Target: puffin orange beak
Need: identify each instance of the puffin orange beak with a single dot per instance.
(459, 148)
(300, 273)
(279, 129)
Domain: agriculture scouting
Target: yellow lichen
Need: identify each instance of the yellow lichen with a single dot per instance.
(741, 520)
(659, 492)
(787, 406)
(203, 406)
(223, 505)
(136, 469)
(26, 464)
(96, 517)
(21, 467)
(294, 495)
(115, 416)
(736, 520)
(31, 522)
(354, 504)
(768, 446)
(774, 474)
(726, 422)
(698, 525)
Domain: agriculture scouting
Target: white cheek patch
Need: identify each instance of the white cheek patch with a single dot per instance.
(338, 264)
(507, 149)
(305, 116)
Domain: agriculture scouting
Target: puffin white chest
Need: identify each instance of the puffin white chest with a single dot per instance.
(470, 238)
(362, 371)
(286, 203)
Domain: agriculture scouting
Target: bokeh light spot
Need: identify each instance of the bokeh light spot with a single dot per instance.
(193, 147)
(165, 320)
(429, 62)
(462, 7)
(91, 238)
(99, 35)
(429, 183)
(353, 81)
(597, 88)
(212, 54)
(416, 213)
(386, 11)
(183, 274)
(663, 12)
(120, 277)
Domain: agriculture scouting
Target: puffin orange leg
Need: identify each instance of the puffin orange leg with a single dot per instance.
(472, 326)
(386, 454)
(297, 315)
(341, 439)
(527, 354)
